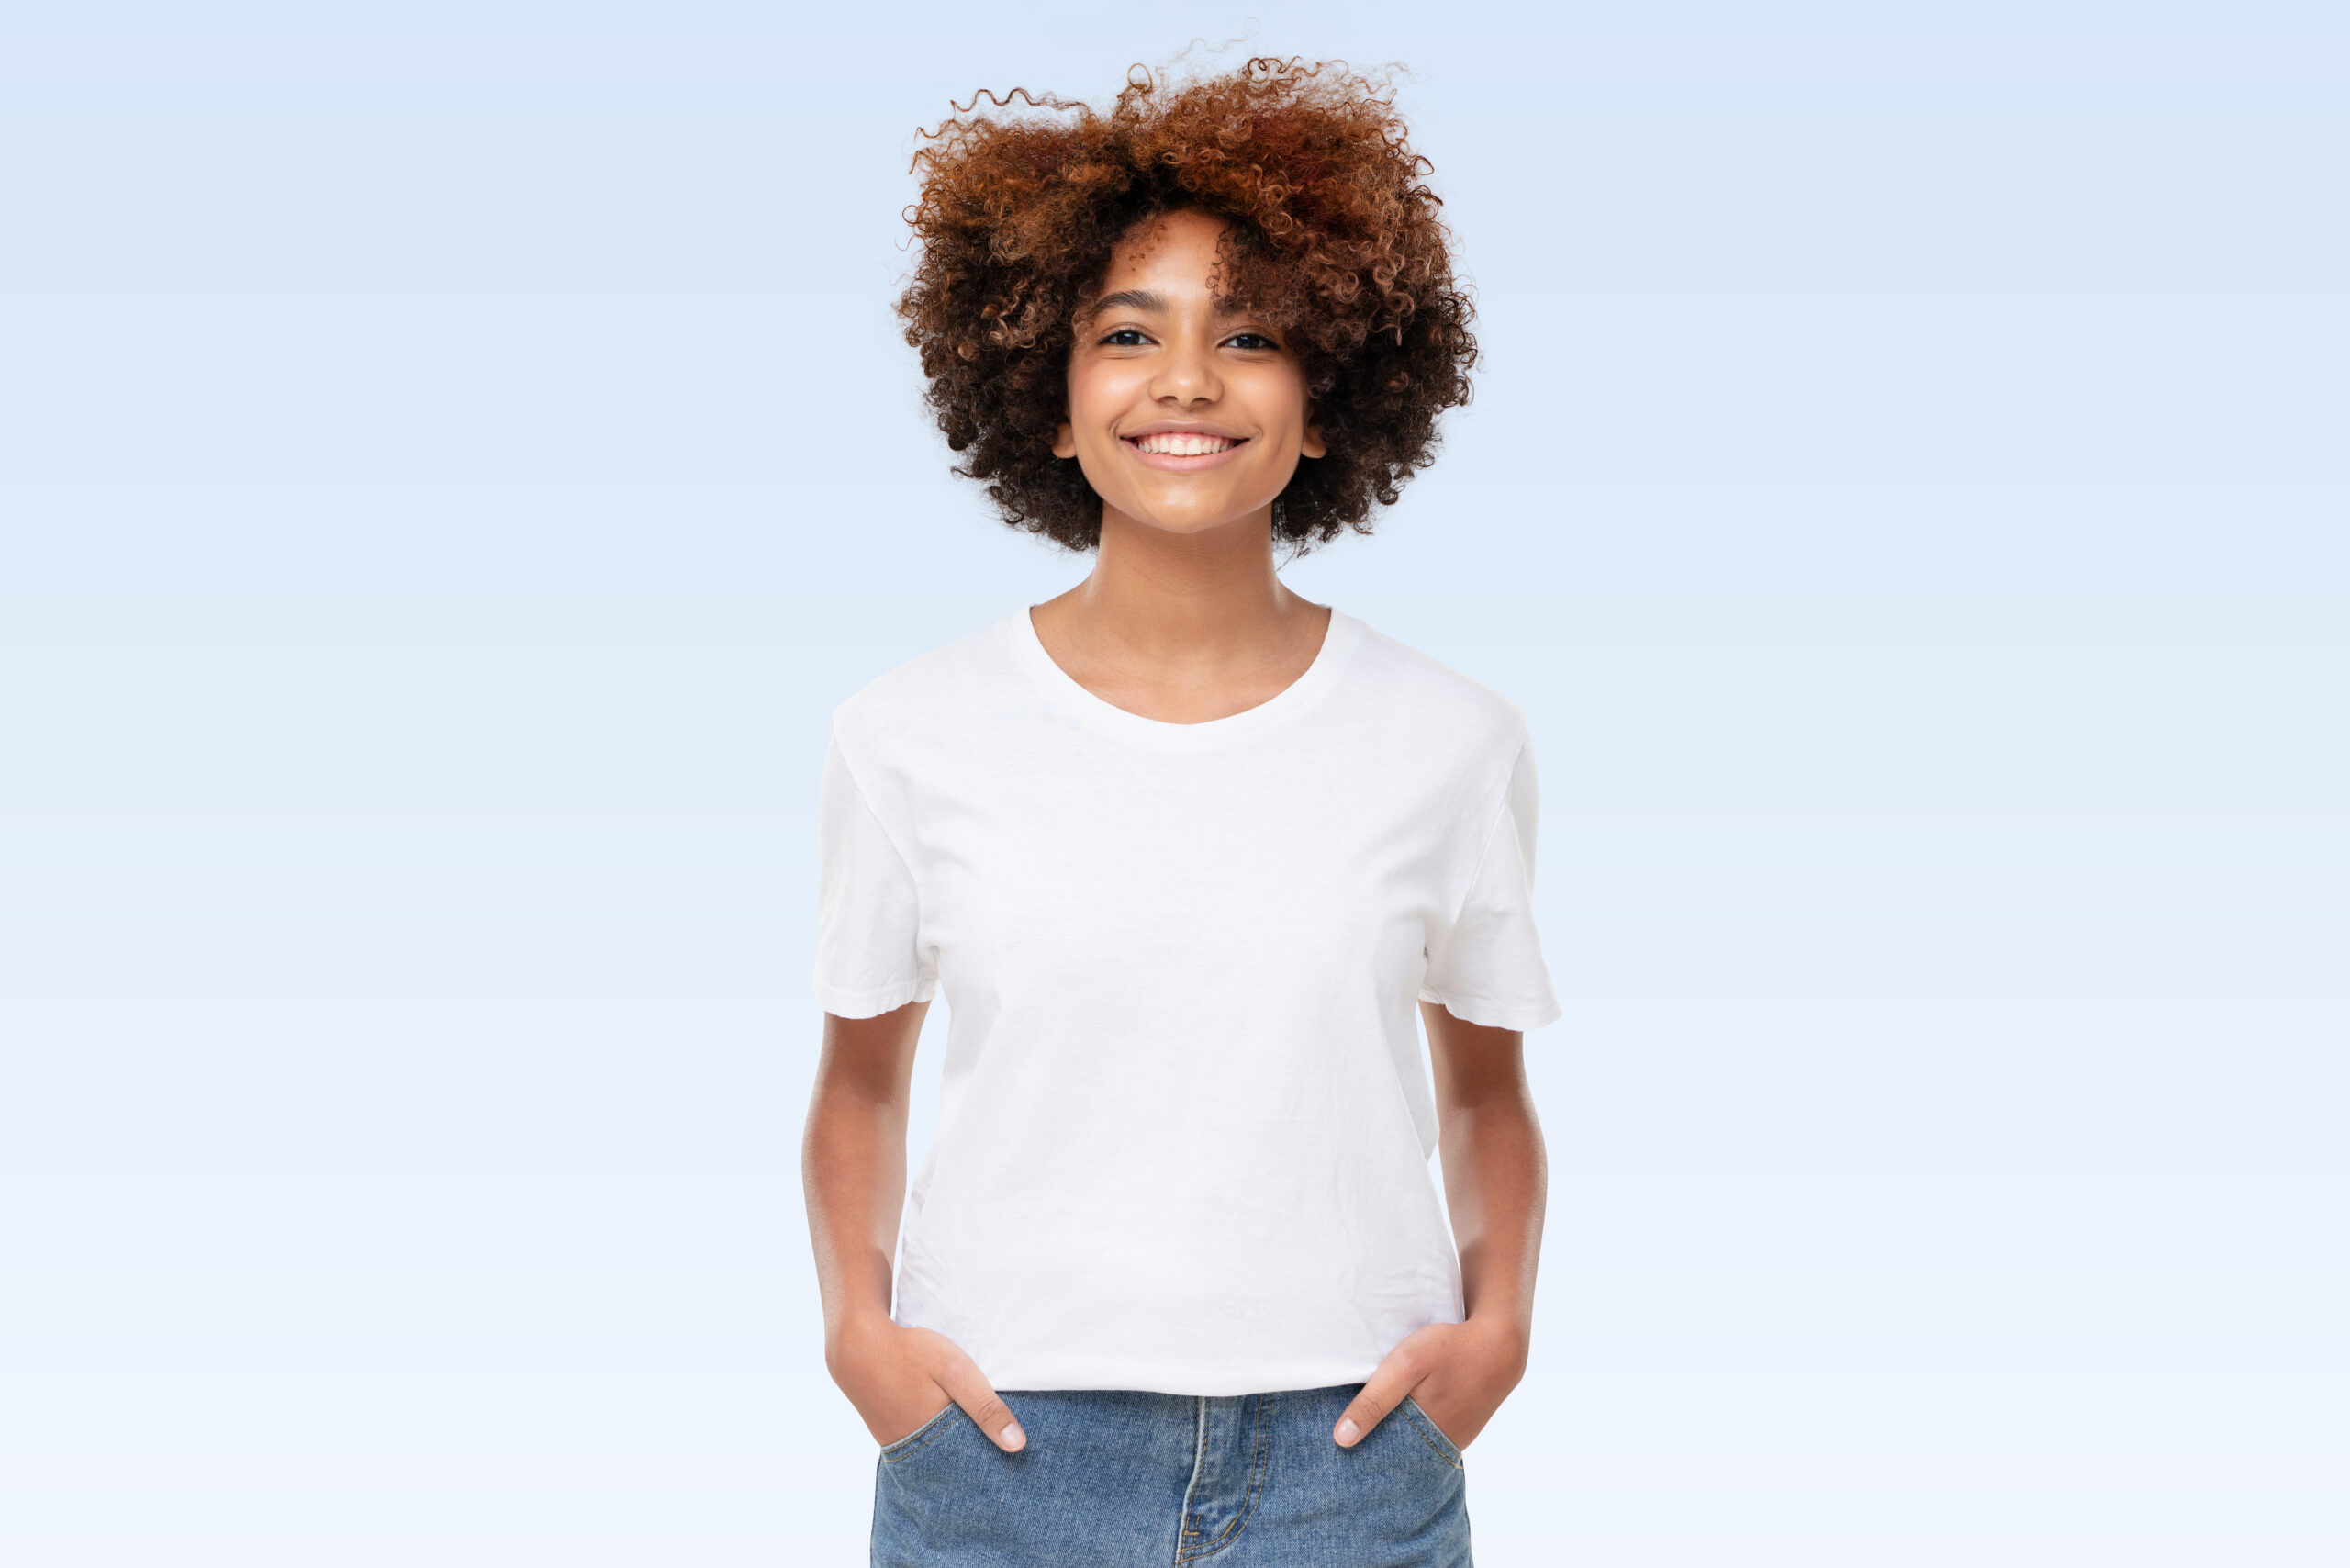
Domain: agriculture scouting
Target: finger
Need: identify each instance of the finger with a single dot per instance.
(980, 1400)
(1366, 1409)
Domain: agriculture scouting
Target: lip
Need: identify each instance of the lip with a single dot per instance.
(1171, 463)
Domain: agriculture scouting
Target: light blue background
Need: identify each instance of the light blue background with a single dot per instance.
(452, 458)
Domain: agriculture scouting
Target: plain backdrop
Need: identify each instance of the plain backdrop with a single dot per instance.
(453, 458)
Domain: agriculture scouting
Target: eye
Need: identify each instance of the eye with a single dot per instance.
(1252, 341)
(1125, 336)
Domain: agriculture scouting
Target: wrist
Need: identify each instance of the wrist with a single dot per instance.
(1507, 1336)
(856, 1329)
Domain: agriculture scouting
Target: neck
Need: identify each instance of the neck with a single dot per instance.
(1197, 596)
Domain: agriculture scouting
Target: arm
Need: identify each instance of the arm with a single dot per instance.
(1496, 1176)
(853, 1163)
(1496, 1172)
(853, 1168)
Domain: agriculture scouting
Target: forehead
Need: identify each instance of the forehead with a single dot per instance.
(1176, 247)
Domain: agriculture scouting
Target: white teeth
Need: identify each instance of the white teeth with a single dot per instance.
(1184, 444)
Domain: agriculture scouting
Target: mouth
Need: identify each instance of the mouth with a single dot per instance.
(1183, 452)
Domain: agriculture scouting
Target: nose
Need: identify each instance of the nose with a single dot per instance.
(1187, 375)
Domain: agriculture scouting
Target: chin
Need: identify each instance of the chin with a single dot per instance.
(1192, 523)
(1190, 516)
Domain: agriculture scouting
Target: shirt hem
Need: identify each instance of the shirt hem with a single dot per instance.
(842, 1002)
(1271, 1380)
(1496, 1014)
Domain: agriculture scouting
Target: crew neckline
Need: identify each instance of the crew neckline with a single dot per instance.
(1338, 640)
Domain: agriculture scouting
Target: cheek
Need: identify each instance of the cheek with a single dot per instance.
(1278, 393)
(1094, 398)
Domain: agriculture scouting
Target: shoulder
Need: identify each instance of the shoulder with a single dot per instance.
(1437, 700)
(917, 696)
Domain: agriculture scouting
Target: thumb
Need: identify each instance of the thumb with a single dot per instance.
(1368, 1407)
(979, 1401)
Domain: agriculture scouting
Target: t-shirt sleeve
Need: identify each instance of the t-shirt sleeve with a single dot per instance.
(869, 955)
(1486, 966)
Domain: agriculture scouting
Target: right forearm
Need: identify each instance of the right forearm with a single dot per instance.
(854, 1170)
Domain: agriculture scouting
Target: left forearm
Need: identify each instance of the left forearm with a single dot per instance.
(1496, 1178)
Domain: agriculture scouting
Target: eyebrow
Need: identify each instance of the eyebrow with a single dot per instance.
(1128, 299)
(1143, 300)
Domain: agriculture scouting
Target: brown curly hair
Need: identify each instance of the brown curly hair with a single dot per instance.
(1332, 236)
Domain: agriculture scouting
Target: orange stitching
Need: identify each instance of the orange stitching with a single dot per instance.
(1430, 1434)
(939, 1421)
(1259, 1465)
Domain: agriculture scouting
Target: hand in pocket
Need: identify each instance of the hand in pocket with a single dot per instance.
(900, 1378)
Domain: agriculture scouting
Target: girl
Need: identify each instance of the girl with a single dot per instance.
(1186, 852)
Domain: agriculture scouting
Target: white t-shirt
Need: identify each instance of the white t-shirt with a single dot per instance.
(1185, 1119)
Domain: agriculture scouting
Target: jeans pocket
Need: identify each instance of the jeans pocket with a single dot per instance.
(936, 1427)
(1433, 1435)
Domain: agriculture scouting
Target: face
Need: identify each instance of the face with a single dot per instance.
(1183, 417)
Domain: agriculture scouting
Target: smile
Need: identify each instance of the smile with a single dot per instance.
(1184, 444)
(1183, 452)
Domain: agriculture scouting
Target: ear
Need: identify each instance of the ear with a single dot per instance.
(1313, 445)
(1065, 439)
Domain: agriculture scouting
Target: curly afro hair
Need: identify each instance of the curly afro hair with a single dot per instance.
(1332, 236)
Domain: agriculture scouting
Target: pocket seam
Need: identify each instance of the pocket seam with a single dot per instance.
(921, 1435)
(1433, 1435)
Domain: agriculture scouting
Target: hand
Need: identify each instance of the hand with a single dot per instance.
(900, 1378)
(1459, 1373)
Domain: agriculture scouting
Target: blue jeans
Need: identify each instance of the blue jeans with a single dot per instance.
(1119, 1478)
